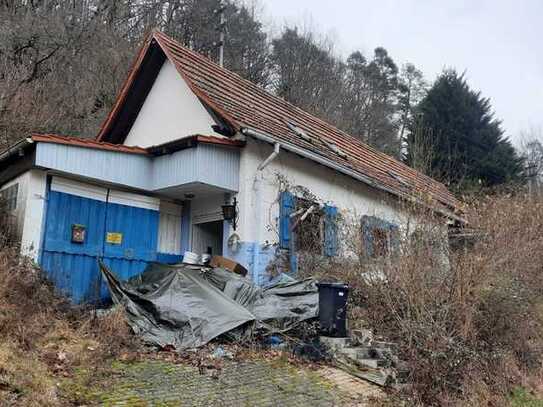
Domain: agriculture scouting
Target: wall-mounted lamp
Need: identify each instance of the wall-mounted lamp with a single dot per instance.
(230, 213)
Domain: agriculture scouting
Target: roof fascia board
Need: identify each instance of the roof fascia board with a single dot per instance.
(126, 87)
(337, 167)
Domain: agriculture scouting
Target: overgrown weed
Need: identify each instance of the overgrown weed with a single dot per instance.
(470, 324)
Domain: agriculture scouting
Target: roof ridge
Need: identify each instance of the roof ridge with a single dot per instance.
(263, 92)
(244, 104)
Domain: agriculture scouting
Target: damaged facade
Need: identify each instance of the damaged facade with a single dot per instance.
(184, 138)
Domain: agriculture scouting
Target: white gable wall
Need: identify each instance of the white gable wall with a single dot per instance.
(171, 111)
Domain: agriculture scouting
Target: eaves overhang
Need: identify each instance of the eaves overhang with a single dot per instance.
(441, 208)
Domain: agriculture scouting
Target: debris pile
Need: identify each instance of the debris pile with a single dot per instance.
(367, 358)
(185, 306)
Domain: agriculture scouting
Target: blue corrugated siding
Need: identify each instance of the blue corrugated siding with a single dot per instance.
(73, 267)
(140, 232)
(167, 258)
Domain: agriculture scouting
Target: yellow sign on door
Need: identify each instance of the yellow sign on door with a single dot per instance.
(114, 238)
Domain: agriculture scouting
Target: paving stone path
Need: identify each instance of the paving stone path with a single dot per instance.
(255, 383)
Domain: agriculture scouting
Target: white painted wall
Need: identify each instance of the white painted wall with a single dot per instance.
(170, 112)
(259, 192)
(34, 214)
(19, 212)
(30, 210)
(169, 228)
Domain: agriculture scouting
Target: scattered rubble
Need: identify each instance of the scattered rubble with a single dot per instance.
(182, 308)
(375, 361)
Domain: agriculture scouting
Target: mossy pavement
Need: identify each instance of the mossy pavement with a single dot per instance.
(163, 383)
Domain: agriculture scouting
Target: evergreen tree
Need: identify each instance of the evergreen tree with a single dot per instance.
(467, 141)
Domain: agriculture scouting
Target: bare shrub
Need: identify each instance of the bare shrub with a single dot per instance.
(7, 226)
(43, 336)
(470, 325)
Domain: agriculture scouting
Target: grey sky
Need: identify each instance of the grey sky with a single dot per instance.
(497, 43)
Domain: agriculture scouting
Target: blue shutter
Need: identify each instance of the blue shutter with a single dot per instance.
(330, 231)
(287, 206)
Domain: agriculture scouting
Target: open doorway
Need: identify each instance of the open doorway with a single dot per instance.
(207, 237)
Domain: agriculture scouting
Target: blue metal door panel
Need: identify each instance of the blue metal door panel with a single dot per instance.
(73, 267)
(65, 210)
(139, 229)
(76, 276)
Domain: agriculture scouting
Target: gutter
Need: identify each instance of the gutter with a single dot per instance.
(337, 167)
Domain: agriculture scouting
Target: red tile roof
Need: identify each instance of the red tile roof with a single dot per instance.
(218, 141)
(100, 145)
(243, 104)
(86, 143)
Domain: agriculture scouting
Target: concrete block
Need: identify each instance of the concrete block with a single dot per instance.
(335, 344)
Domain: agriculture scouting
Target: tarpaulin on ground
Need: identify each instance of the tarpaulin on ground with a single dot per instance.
(187, 306)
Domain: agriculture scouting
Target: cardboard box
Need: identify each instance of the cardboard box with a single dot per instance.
(230, 265)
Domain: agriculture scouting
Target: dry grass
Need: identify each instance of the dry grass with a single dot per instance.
(44, 340)
(471, 330)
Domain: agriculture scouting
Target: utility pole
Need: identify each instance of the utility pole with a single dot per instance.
(222, 27)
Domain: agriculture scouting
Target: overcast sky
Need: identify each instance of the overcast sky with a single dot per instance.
(498, 43)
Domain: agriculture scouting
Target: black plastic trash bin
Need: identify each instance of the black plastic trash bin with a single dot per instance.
(333, 309)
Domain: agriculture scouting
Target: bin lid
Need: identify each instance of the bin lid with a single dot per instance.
(333, 285)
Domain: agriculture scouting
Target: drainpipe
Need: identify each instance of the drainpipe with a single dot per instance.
(257, 187)
(271, 157)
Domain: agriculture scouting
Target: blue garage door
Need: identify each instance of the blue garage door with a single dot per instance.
(124, 236)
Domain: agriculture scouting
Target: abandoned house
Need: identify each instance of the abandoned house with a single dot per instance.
(194, 158)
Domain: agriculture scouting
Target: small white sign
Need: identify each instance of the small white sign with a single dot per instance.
(340, 293)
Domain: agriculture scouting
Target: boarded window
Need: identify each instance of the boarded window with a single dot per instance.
(9, 197)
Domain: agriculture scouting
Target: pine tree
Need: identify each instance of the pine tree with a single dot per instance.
(467, 141)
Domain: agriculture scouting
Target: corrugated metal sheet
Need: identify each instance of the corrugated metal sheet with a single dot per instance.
(73, 267)
(218, 166)
(206, 163)
(139, 228)
(133, 170)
